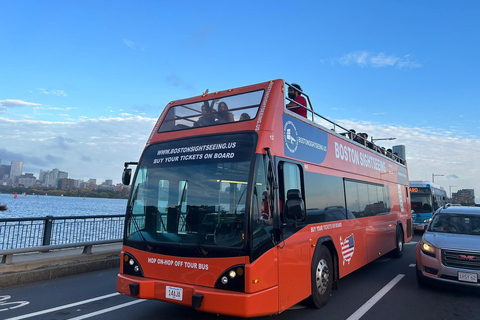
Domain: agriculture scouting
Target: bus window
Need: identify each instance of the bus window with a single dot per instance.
(324, 198)
(262, 211)
(241, 107)
(366, 199)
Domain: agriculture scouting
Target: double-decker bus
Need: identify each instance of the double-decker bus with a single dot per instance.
(426, 198)
(250, 213)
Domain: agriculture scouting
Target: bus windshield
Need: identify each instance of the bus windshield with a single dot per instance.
(421, 203)
(192, 193)
(240, 107)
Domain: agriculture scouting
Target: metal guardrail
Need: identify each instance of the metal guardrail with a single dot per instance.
(16, 233)
(23, 235)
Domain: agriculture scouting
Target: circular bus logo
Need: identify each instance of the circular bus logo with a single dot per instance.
(290, 136)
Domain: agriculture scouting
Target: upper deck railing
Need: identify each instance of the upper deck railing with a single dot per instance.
(350, 133)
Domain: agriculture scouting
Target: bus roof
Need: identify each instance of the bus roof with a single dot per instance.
(424, 184)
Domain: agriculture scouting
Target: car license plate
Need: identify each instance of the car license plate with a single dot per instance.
(468, 277)
(174, 293)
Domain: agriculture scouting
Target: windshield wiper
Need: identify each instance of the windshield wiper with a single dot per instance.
(137, 228)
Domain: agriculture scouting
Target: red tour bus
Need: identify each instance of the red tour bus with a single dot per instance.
(241, 207)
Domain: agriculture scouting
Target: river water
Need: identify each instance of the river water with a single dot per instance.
(32, 206)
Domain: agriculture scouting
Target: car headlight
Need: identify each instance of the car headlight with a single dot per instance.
(427, 248)
(427, 220)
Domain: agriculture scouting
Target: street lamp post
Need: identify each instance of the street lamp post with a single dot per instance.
(373, 140)
(436, 175)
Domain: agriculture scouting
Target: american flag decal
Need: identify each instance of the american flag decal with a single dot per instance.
(348, 247)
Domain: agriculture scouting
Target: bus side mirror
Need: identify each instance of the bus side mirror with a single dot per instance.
(295, 207)
(126, 176)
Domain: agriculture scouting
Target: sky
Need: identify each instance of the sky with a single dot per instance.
(82, 83)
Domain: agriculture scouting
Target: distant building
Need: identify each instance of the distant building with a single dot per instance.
(27, 180)
(5, 171)
(464, 197)
(51, 178)
(16, 170)
(66, 184)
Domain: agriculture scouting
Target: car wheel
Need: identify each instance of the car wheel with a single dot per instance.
(322, 278)
(398, 251)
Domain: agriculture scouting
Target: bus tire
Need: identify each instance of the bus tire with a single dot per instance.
(322, 278)
(398, 251)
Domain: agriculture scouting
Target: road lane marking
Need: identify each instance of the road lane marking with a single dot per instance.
(96, 313)
(16, 304)
(411, 265)
(34, 314)
(370, 303)
(411, 242)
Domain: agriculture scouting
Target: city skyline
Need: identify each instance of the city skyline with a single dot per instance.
(84, 97)
(16, 175)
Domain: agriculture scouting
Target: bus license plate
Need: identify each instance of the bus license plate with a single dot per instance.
(468, 277)
(174, 293)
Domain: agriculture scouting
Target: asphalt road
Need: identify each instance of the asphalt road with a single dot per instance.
(384, 289)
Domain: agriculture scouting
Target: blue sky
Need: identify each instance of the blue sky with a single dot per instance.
(82, 82)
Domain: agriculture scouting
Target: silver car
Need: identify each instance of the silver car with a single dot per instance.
(449, 250)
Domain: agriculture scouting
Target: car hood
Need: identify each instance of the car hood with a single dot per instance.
(453, 241)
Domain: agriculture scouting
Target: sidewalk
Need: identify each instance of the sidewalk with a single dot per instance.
(27, 268)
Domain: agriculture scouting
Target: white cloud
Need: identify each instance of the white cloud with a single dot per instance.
(134, 45)
(92, 148)
(377, 60)
(11, 103)
(55, 92)
(129, 43)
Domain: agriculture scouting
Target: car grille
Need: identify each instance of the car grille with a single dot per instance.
(461, 259)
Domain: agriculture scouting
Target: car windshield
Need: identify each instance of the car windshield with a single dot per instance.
(241, 107)
(192, 192)
(456, 223)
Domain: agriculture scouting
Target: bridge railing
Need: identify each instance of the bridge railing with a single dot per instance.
(25, 235)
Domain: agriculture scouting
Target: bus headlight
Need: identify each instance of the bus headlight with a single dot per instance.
(131, 265)
(232, 279)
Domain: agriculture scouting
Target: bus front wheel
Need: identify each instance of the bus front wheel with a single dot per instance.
(322, 278)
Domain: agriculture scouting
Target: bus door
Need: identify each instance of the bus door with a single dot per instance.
(294, 260)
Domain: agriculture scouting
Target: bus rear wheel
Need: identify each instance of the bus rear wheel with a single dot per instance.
(398, 251)
(322, 278)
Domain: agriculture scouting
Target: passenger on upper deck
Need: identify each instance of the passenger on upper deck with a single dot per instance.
(295, 95)
(244, 116)
(208, 117)
(223, 115)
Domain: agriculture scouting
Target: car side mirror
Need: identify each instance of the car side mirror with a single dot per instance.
(126, 176)
(295, 207)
